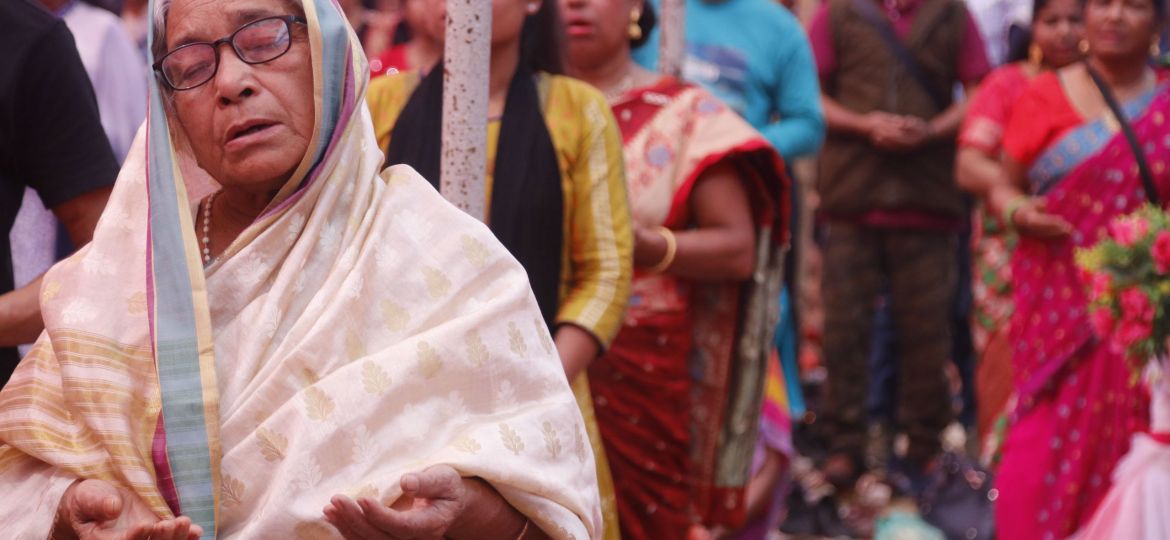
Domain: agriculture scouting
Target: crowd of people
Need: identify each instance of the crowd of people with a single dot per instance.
(751, 299)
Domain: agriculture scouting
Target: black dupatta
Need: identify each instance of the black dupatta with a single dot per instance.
(526, 210)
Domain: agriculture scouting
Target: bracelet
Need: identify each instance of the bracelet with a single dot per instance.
(1010, 209)
(671, 251)
(524, 531)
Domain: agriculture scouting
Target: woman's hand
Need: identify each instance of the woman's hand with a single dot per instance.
(1032, 220)
(432, 503)
(97, 510)
(1029, 217)
(577, 348)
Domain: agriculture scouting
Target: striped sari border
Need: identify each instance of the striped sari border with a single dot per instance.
(180, 332)
(1080, 144)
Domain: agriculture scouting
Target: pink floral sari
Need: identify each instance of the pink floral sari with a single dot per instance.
(1078, 404)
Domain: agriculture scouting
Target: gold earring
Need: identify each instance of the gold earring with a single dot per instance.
(635, 28)
(1084, 46)
(1036, 55)
(1155, 49)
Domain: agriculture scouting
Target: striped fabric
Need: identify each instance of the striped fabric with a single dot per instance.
(360, 329)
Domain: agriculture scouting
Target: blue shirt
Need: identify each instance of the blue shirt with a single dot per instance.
(753, 55)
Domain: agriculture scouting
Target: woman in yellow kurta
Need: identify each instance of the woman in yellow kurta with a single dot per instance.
(555, 184)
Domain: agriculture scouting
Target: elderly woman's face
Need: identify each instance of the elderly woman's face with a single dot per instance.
(250, 125)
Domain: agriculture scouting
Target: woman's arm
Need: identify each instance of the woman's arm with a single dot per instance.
(577, 348)
(721, 246)
(977, 173)
(601, 243)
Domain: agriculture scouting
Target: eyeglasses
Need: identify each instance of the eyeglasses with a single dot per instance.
(193, 64)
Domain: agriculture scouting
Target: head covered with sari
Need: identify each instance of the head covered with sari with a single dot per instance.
(359, 329)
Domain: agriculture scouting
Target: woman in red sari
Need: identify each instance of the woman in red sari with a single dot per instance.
(708, 211)
(1053, 38)
(1076, 403)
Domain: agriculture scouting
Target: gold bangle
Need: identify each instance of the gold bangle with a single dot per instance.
(671, 251)
(1010, 209)
(524, 531)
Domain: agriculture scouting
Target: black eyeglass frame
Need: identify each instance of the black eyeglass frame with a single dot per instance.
(230, 40)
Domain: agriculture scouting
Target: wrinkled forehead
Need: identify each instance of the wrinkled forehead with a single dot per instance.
(189, 21)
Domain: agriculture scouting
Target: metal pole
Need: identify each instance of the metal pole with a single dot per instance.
(672, 48)
(467, 56)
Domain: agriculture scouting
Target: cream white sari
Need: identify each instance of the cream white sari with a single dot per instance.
(362, 328)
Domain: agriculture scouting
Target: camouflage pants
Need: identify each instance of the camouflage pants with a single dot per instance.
(917, 267)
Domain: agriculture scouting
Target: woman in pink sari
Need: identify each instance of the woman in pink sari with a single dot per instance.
(1053, 37)
(1077, 405)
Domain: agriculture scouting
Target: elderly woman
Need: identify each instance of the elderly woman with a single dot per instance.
(307, 334)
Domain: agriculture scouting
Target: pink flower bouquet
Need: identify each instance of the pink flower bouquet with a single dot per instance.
(1128, 274)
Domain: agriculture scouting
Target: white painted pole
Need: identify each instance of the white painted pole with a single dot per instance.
(467, 55)
(672, 48)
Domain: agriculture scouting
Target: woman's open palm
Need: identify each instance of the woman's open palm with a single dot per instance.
(98, 510)
(431, 502)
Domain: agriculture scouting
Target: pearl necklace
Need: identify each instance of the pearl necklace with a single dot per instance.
(207, 228)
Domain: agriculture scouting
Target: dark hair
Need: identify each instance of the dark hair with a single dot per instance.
(1019, 41)
(1020, 38)
(646, 22)
(542, 39)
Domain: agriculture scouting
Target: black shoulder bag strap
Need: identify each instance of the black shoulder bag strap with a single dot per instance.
(1139, 155)
(878, 22)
